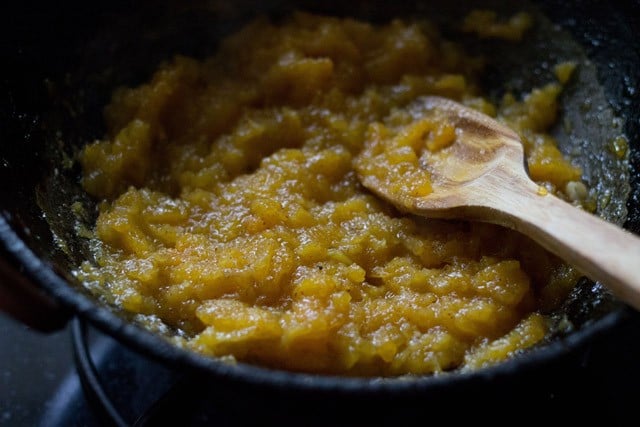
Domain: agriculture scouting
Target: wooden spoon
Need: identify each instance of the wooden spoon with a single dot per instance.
(484, 178)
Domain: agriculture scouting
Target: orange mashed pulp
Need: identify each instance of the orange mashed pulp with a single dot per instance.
(230, 209)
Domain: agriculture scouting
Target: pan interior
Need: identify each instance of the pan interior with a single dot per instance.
(56, 215)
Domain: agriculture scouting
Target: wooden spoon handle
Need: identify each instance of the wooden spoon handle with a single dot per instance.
(602, 251)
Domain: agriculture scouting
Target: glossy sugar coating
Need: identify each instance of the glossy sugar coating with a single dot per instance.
(232, 212)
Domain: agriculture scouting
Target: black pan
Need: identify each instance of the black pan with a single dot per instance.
(63, 60)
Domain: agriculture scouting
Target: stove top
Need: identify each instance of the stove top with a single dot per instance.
(41, 384)
(41, 379)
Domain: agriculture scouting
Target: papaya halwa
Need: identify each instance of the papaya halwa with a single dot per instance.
(232, 212)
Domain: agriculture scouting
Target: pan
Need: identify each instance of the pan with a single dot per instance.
(65, 60)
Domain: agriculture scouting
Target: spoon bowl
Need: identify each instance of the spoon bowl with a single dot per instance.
(482, 176)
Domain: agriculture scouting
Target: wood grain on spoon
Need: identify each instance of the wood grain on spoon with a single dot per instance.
(482, 176)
